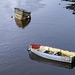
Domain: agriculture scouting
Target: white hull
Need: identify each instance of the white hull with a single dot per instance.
(52, 57)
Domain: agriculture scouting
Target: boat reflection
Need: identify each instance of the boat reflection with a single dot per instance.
(71, 6)
(69, 0)
(52, 62)
(22, 23)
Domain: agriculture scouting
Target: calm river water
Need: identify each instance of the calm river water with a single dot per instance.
(52, 23)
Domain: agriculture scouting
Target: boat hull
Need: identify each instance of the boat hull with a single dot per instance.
(22, 14)
(37, 58)
(52, 57)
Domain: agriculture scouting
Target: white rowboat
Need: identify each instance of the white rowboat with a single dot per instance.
(53, 53)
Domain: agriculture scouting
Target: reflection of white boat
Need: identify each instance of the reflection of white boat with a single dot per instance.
(21, 14)
(53, 53)
(51, 62)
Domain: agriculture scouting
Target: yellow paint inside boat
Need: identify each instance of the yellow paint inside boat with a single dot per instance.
(53, 50)
(18, 16)
(67, 53)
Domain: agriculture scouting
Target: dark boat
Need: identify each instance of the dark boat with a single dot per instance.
(22, 14)
(22, 23)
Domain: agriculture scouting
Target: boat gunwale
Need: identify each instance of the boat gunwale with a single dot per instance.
(49, 47)
(24, 11)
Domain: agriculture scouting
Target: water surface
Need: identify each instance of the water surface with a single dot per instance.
(52, 23)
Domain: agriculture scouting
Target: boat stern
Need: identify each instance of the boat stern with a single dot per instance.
(73, 59)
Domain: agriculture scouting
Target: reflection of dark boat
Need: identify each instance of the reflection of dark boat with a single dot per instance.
(69, 0)
(51, 62)
(21, 14)
(23, 23)
(71, 7)
(53, 53)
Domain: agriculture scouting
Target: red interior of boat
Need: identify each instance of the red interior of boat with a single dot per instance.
(35, 46)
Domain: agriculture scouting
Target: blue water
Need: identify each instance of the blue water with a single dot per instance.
(51, 24)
